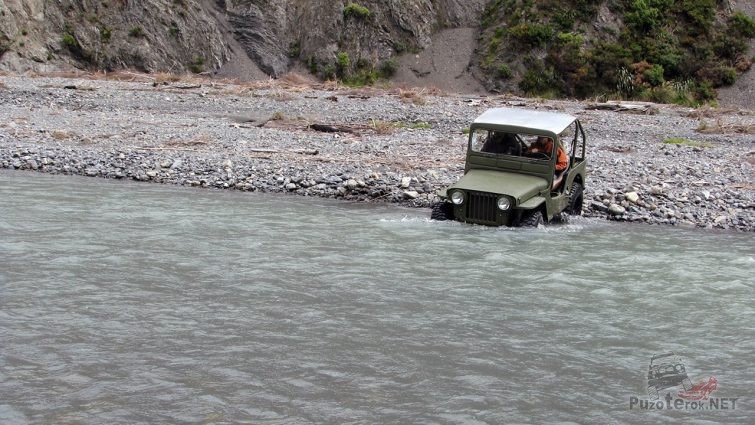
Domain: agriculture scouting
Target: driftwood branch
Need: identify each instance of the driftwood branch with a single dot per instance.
(330, 128)
(636, 108)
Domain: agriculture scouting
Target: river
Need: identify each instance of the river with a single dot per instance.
(123, 302)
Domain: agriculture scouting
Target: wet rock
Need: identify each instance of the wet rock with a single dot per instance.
(615, 209)
(599, 206)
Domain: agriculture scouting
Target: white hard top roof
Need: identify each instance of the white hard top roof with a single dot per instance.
(526, 120)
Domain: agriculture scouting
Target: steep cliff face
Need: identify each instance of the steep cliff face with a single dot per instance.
(273, 32)
(148, 35)
(177, 35)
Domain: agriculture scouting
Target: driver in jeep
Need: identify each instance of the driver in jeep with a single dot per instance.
(544, 145)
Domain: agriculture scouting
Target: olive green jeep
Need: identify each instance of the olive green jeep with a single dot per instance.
(523, 168)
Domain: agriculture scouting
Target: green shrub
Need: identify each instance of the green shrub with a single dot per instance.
(538, 79)
(565, 18)
(388, 68)
(661, 94)
(343, 64)
(532, 35)
(197, 65)
(294, 49)
(742, 25)
(356, 11)
(570, 39)
(705, 91)
(173, 29)
(136, 32)
(646, 15)
(362, 77)
(700, 13)
(69, 41)
(105, 34)
(312, 64)
(504, 72)
(654, 75)
(399, 47)
(328, 72)
(490, 14)
(718, 76)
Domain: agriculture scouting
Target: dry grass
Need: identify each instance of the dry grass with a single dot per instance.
(292, 79)
(709, 112)
(281, 95)
(720, 127)
(382, 127)
(2, 85)
(60, 135)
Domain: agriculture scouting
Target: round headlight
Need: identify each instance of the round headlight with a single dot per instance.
(504, 203)
(457, 197)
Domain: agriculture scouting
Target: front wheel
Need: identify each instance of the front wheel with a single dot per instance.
(442, 211)
(575, 199)
(532, 219)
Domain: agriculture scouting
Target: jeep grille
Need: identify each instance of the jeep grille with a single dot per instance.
(482, 208)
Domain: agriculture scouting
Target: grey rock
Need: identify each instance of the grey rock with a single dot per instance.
(411, 194)
(615, 209)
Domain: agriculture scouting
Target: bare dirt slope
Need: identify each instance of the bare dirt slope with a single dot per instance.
(742, 93)
(444, 64)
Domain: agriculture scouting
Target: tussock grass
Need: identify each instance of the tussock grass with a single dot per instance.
(686, 142)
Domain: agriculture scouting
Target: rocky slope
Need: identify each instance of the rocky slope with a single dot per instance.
(180, 35)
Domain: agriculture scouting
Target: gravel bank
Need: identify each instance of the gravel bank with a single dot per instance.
(404, 145)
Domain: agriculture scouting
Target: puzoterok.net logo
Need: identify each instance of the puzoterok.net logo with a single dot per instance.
(680, 404)
(668, 374)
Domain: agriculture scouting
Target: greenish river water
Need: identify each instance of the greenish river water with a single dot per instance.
(140, 303)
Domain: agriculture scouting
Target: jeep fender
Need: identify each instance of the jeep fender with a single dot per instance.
(532, 203)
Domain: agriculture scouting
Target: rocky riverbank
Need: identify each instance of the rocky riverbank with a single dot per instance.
(674, 166)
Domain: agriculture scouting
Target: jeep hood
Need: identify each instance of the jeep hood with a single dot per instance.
(519, 186)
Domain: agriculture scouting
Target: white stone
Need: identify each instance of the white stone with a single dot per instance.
(615, 209)
(632, 197)
(411, 194)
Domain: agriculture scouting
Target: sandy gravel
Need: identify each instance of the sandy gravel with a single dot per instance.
(402, 145)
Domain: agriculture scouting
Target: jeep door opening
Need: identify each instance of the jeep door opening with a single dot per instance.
(523, 167)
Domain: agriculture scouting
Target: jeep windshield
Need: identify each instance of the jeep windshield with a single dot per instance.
(528, 146)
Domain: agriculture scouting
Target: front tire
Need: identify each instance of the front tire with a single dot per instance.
(442, 211)
(575, 199)
(532, 219)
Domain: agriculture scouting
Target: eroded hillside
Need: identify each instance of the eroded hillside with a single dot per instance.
(180, 35)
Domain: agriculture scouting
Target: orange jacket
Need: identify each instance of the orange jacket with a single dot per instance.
(562, 161)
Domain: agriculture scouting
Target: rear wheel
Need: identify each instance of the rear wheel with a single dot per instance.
(575, 199)
(442, 211)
